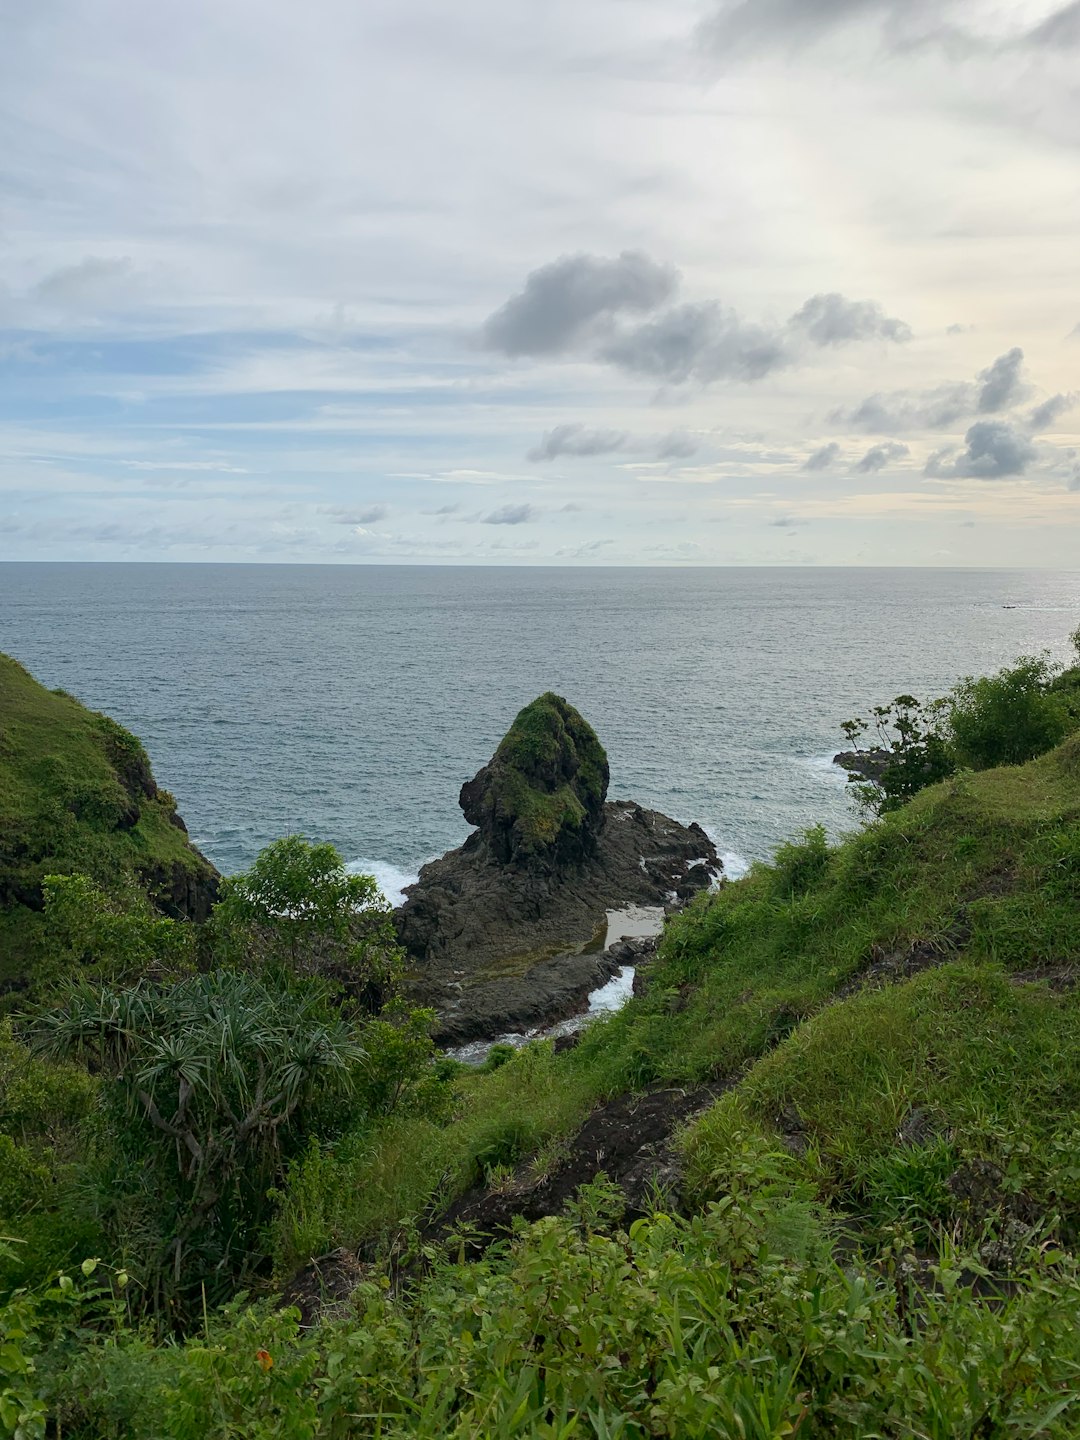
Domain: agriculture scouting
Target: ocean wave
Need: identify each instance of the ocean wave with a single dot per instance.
(391, 879)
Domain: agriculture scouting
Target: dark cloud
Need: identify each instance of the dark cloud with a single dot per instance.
(92, 279)
(878, 456)
(997, 388)
(581, 305)
(834, 320)
(1002, 386)
(932, 410)
(370, 515)
(748, 25)
(444, 510)
(823, 458)
(676, 445)
(993, 450)
(752, 26)
(1050, 411)
(562, 301)
(511, 515)
(1060, 31)
(786, 522)
(700, 341)
(577, 440)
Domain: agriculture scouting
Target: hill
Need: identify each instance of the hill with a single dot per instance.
(77, 795)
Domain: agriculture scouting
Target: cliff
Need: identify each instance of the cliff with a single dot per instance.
(77, 794)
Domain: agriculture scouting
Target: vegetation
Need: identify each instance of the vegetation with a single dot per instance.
(1005, 719)
(545, 787)
(77, 797)
(874, 1232)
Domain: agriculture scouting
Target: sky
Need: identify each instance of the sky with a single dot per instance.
(627, 282)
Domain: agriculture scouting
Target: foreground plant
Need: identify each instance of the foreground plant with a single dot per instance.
(209, 1084)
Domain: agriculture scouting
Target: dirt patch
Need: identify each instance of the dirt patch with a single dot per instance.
(1059, 978)
(321, 1290)
(892, 966)
(628, 1139)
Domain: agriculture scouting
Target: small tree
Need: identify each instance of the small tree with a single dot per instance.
(909, 751)
(206, 1087)
(300, 909)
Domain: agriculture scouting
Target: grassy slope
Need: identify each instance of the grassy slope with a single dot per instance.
(889, 1012)
(980, 875)
(72, 782)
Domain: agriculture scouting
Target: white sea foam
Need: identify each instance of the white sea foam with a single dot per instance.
(735, 866)
(391, 879)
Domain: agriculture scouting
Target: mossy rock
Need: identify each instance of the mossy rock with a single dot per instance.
(77, 795)
(540, 799)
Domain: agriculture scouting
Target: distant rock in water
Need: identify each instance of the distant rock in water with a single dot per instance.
(539, 802)
(506, 931)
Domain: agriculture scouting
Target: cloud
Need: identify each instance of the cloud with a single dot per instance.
(701, 341)
(878, 456)
(443, 510)
(370, 515)
(577, 440)
(580, 306)
(996, 388)
(834, 320)
(1073, 482)
(1001, 384)
(823, 458)
(92, 280)
(1050, 411)
(511, 515)
(789, 26)
(560, 302)
(676, 445)
(1061, 30)
(786, 522)
(994, 450)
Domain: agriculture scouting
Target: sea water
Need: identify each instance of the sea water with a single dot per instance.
(349, 703)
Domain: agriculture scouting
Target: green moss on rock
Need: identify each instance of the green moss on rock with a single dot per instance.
(541, 796)
(77, 795)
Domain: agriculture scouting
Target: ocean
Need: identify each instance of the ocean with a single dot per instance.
(348, 703)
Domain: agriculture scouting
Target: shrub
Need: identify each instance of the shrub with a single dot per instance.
(208, 1084)
(1007, 718)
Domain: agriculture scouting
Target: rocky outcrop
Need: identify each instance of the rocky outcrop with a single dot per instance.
(518, 913)
(865, 764)
(77, 796)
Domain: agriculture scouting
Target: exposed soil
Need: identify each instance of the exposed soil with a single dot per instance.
(628, 1139)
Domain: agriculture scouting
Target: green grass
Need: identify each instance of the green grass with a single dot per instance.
(984, 868)
(76, 796)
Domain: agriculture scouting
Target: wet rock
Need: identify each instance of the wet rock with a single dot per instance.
(500, 931)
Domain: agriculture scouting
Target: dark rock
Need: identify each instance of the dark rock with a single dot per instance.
(505, 932)
(864, 764)
(540, 799)
(629, 1139)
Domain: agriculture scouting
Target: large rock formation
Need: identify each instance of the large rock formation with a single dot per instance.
(507, 931)
(77, 796)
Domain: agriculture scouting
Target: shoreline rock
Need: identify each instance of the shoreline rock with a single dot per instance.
(507, 932)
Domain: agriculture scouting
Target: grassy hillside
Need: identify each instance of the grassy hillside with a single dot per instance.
(822, 1178)
(77, 796)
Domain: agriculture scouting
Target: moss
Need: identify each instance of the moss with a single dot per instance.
(76, 796)
(547, 780)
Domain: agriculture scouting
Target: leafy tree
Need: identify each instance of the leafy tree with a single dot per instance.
(909, 750)
(206, 1087)
(298, 908)
(118, 935)
(1007, 718)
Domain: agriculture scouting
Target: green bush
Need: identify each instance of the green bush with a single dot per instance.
(1007, 718)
